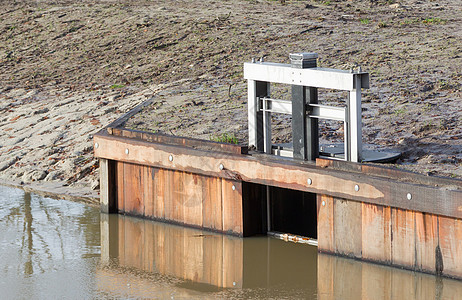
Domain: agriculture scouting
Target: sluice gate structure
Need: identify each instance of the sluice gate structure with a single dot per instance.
(338, 201)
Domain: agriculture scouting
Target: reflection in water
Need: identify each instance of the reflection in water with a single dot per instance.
(207, 262)
(47, 249)
(203, 264)
(54, 249)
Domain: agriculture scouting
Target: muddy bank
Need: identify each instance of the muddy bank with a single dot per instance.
(69, 68)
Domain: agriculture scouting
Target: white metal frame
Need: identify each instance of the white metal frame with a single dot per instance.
(310, 77)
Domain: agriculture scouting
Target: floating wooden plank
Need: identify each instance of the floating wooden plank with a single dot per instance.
(376, 233)
(285, 173)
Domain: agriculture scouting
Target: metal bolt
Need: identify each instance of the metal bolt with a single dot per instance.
(261, 59)
(309, 181)
(126, 151)
(170, 157)
(409, 196)
(221, 166)
(359, 69)
(234, 188)
(323, 203)
(253, 60)
(96, 145)
(357, 188)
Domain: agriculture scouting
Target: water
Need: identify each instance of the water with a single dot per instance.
(54, 249)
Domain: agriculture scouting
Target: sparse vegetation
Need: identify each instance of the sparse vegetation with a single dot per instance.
(229, 138)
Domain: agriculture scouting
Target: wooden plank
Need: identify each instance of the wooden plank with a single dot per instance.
(212, 204)
(403, 242)
(169, 198)
(108, 189)
(149, 195)
(120, 121)
(178, 196)
(159, 193)
(325, 206)
(192, 199)
(450, 240)
(120, 186)
(387, 172)
(426, 241)
(133, 189)
(179, 141)
(376, 233)
(285, 173)
(348, 227)
(231, 192)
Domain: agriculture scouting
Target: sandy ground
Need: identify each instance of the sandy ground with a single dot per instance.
(69, 68)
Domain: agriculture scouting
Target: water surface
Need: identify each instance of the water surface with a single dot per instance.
(60, 249)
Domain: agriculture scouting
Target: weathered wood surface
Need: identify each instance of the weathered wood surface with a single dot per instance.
(180, 197)
(338, 277)
(446, 201)
(388, 172)
(391, 236)
(181, 252)
(108, 176)
(179, 141)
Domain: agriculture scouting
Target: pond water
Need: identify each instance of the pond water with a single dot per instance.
(61, 249)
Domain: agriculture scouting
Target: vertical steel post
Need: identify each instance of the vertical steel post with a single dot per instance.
(305, 136)
(256, 89)
(354, 120)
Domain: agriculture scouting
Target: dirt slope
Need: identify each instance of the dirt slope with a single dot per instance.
(89, 62)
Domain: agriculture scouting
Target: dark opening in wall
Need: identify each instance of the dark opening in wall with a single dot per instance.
(293, 212)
